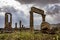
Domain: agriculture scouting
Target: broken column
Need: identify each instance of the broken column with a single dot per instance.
(43, 18)
(45, 26)
(16, 26)
(8, 25)
(31, 21)
(20, 25)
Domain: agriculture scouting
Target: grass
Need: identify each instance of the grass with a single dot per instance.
(28, 36)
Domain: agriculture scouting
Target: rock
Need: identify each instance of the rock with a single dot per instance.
(47, 28)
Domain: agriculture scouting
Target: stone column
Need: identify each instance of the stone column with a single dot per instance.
(20, 25)
(11, 20)
(43, 18)
(6, 21)
(10, 23)
(31, 21)
(15, 26)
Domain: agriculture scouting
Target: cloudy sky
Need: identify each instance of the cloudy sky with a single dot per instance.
(20, 11)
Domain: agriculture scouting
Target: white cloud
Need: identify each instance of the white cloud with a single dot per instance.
(16, 5)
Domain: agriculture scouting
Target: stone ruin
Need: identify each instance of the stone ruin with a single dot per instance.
(45, 26)
(20, 25)
(38, 11)
(8, 24)
(16, 26)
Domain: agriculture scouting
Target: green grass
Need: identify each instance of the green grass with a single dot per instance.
(28, 36)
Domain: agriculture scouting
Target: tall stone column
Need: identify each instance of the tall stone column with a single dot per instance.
(31, 21)
(6, 21)
(20, 25)
(10, 23)
(11, 20)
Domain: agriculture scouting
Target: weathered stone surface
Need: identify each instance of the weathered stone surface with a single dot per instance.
(45, 25)
(20, 23)
(38, 11)
(16, 26)
(8, 24)
(47, 28)
(31, 21)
